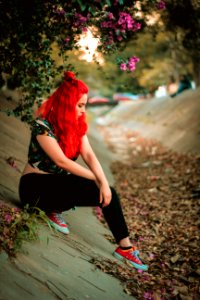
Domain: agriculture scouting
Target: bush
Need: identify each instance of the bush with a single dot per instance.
(17, 226)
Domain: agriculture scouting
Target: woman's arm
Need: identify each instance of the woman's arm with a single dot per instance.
(92, 162)
(53, 150)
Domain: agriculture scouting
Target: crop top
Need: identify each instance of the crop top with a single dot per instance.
(37, 157)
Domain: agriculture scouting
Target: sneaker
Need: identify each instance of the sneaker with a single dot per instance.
(57, 221)
(131, 256)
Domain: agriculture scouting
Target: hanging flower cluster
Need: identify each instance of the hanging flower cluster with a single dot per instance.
(118, 27)
(129, 65)
(113, 26)
(80, 22)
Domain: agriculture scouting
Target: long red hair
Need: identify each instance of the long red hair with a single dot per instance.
(60, 111)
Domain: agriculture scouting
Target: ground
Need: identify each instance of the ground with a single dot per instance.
(159, 188)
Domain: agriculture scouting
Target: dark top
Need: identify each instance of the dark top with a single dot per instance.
(37, 157)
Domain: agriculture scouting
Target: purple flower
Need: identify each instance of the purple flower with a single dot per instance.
(162, 264)
(161, 5)
(123, 67)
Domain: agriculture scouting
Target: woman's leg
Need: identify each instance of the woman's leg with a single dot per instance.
(54, 192)
(115, 218)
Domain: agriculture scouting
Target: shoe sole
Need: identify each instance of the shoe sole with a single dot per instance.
(59, 228)
(138, 267)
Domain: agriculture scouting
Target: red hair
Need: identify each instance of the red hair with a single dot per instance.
(60, 111)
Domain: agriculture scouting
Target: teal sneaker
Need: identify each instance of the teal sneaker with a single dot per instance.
(57, 221)
(131, 256)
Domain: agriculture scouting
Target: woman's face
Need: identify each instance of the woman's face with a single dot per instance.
(80, 106)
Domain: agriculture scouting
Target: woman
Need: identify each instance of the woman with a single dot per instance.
(52, 179)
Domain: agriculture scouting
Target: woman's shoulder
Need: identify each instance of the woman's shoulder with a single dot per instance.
(42, 122)
(42, 126)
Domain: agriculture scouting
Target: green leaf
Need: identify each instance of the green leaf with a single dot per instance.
(108, 2)
(82, 5)
(91, 10)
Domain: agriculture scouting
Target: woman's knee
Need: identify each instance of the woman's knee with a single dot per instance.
(115, 202)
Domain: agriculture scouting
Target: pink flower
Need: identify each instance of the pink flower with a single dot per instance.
(8, 218)
(84, 29)
(140, 271)
(125, 21)
(66, 40)
(110, 16)
(148, 296)
(119, 38)
(108, 24)
(131, 65)
(134, 59)
(80, 21)
(80, 18)
(16, 209)
(123, 67)
(161, 5)
(136, 26)
(109, 39)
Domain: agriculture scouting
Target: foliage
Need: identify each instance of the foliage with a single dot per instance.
(177, 13)
(183, 20)
(33, 28)
(36, 29)
(17, 226)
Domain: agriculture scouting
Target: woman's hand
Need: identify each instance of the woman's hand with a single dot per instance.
(105, 194)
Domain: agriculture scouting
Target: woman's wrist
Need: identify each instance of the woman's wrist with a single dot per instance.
(103, 182)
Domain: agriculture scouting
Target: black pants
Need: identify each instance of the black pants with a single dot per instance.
(61, 192)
